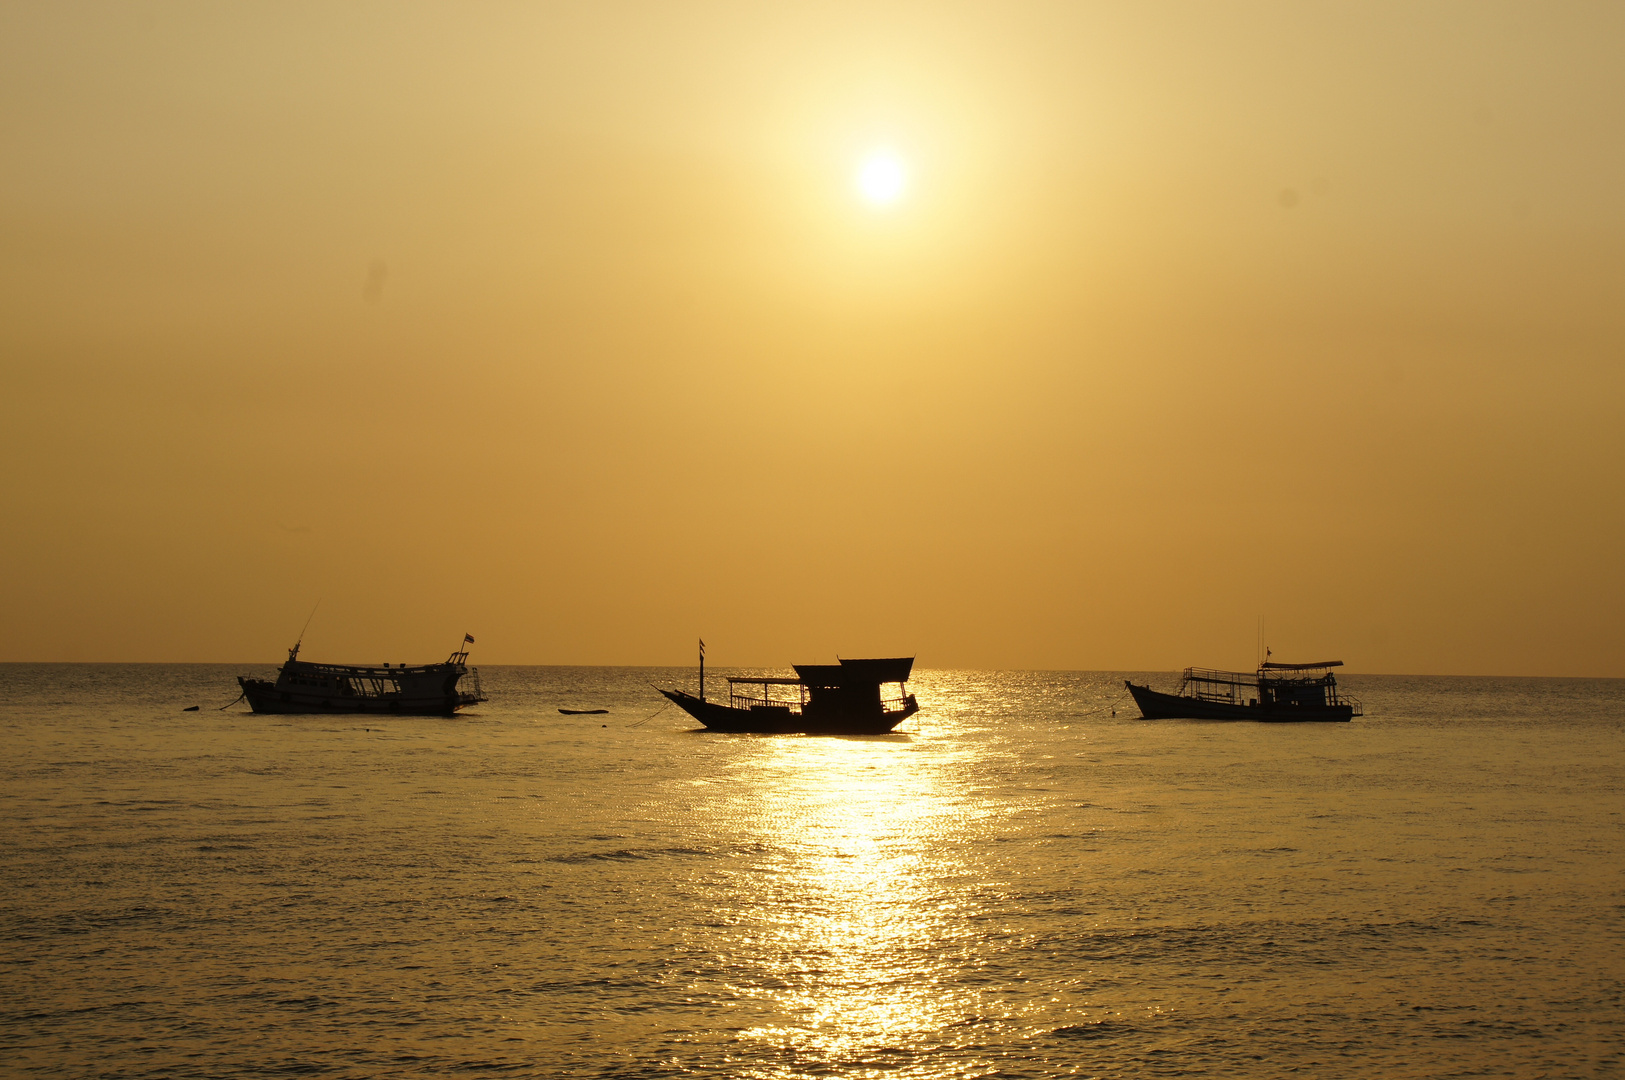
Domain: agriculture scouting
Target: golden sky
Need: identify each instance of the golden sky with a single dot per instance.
(569, 326)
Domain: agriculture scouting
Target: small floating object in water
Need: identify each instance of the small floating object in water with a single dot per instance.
(190, 708)
(583, 712)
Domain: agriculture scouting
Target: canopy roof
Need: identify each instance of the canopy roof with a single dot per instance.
(1301, 667)
(846, 673)
(362, 669)
(857, 672)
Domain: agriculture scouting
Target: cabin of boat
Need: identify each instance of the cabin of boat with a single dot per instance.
(424, 690)
(853, 697)
(1275, 692)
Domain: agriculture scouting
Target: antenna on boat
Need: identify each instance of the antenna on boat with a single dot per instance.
(702, 669)
(293, 653)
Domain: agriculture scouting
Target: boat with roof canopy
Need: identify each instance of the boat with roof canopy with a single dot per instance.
(1275, 693)
(423, 690)
(852, 697)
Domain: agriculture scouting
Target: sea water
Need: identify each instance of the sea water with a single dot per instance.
(1020, 884)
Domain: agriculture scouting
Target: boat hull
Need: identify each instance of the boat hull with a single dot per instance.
(776, 721)
(1158, 706)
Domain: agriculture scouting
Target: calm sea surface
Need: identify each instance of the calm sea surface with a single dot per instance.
(1021, 885)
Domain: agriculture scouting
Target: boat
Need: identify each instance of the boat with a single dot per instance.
(852, 697)
(1275, 693)
(424, 690)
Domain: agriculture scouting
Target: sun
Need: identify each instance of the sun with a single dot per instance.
(881, 178)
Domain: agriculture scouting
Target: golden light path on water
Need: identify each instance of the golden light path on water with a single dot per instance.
(870, 912)
(867, 917)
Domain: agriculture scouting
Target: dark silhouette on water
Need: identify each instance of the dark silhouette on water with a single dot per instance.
(425, 690)
(583, 712)
(1275, 693)
(825, 699)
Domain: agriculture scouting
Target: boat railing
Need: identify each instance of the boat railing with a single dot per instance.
(365, 671)
(469, 690)
(753, 701)
(1225, 687)
(897, 704)
(747, 700)
(1220, 678)
(1227, 695)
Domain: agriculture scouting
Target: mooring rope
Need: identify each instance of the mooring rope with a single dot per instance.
(652, 715)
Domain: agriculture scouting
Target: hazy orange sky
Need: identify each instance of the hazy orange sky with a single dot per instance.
(565, 325)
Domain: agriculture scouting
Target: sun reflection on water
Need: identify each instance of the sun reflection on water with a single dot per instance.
(863, 947)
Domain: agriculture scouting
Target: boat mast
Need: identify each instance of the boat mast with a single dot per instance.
(293, 653)
(702, 669)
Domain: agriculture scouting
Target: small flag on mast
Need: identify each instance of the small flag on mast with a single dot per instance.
(469, 638)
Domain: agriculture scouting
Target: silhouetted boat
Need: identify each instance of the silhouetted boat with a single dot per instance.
(426, 690)
(848, 698)
(1276, 693)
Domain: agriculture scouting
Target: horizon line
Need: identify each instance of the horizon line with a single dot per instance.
(775, 667)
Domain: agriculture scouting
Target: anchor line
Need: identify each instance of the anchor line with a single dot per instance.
(652, 715)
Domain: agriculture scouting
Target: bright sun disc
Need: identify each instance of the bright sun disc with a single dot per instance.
(881, 179)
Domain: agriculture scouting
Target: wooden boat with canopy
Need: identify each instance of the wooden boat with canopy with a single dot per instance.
(853, 697)
(1275, 693)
